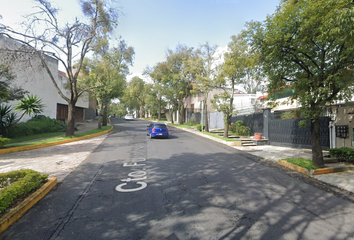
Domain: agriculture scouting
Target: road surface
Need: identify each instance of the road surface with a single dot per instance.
(185, 187)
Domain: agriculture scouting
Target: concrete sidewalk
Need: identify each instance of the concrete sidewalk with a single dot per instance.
(343, 180)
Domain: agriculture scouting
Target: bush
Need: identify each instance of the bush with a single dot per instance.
(232, 127)
(36, 125)
(241, 130)
(3, 141)
(16, 184)
(343, 154)
(199, 127)
(191, 123)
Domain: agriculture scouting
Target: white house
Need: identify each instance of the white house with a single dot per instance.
(32, 77)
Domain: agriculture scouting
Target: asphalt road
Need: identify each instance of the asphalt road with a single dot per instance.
(185, 187)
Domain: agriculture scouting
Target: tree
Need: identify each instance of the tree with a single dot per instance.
(203, 68)
(158, 91)
(134, 95)
(177, 77)
(70, 42)
(309, 46)
(7, 91)
(231, 72)
(108, 71)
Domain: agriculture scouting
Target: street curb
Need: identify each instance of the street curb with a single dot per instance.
(293, 167)
(25, 148)
(14, 214)
(312, 172)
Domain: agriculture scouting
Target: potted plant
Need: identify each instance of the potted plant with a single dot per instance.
(257, 136)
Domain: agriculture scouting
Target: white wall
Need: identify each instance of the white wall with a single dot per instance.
(32, 77)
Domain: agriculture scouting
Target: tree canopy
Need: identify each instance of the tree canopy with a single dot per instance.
(308, 45)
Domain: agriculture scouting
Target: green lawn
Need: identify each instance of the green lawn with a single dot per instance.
(49, 138)
(302, 162)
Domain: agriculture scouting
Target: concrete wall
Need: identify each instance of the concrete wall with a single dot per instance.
(32, 77)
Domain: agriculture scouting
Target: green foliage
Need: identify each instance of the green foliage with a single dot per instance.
(303, 123)
(240, 129)
(309, 46)
(30, 105)
(199, 127)
(7, 119)
(289, 115)
(16, 184)
(4, 141)
(36, 125)
(7, 91)
(343, 154)
(305, 163)
(191, 123)
(232, 127)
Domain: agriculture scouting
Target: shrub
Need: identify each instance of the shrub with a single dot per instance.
(232, 127)
(343, 154)
(3, 141)
(199, 127)
(36, 125)
(241, 130)
(191, 123)
(16, 184)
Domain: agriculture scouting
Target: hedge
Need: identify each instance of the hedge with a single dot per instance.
(343, 154)
(18, 183)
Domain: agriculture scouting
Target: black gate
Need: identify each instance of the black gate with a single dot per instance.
(253, 121)
(288, 133)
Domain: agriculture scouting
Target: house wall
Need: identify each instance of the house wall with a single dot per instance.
(32, 77)
(343, 118)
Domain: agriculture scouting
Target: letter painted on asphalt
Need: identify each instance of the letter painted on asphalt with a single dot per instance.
(137, 174)
(132, 164)
(120, 188)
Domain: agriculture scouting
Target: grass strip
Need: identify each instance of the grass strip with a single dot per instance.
(34, 137)
(59, 138)
(302, 162)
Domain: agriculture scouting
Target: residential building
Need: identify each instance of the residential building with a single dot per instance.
(33, 77)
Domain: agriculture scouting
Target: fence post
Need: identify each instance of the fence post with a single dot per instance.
(266, 119)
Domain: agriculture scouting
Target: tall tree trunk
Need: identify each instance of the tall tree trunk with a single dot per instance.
(159, 110)
(104, 114)
(171, 112)
(70, 129)
(181, 116)
(206, 123)
(226, 128)
(317, 156)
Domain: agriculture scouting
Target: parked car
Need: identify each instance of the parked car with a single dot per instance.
(157, 130)
(129, 117)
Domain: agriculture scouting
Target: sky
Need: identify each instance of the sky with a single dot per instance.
(153, 26)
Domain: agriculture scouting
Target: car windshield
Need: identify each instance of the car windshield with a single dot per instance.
(160, 126)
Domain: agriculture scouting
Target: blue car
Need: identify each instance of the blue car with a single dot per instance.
(157, 130)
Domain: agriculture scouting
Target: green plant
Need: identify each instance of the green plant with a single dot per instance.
(36, 125)
(7, 119)
(241, 130)
(16, 184)
(343, 154)
(302, 162)
(191, 123)
(4, 141)
(199, 127)
(232, 127)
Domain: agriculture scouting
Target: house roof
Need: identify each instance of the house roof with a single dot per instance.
(263, 97)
